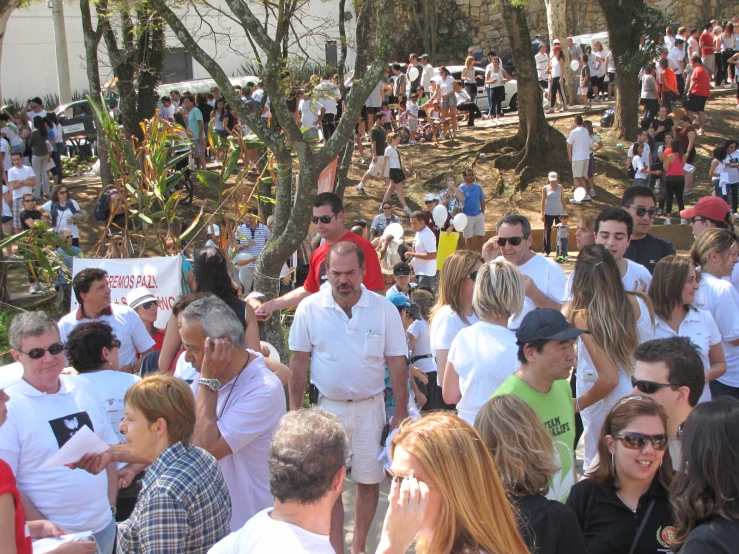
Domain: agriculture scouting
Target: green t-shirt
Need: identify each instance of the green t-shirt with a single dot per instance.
(557, 414)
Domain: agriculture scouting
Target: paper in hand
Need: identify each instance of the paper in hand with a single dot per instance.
(83, 442)
(52, 543)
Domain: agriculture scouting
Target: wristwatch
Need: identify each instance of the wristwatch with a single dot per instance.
(212, 384)
(114, 511)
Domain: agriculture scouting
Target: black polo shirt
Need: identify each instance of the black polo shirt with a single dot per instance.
(609, 526)
(548, 526)
(648, 251)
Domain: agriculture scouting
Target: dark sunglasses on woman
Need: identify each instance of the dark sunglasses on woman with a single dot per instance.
(637, 441)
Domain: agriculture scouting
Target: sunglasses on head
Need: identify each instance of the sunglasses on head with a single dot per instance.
(648, 387)
(325, 219)
(515, 241)
(149, 305)
(637, 441)
(38, 353)
(651, 211)
(115, 344)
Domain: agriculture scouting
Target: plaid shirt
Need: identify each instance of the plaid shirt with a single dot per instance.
(184, 505)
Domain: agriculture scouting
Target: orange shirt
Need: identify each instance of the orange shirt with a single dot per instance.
(700, 82)
(668, 80)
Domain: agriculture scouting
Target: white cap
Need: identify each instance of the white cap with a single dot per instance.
(273, 353)
(213, 229)
(553, 176)
(10, 374)
(430, 198)
(139, 296)
(556, 41)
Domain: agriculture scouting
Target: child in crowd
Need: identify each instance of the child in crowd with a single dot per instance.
(562, 238)
(402, 278)
(412, 114)
(213, 232)
(389, 117)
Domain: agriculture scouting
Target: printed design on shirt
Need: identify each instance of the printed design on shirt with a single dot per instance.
(322, 275)
(666, 535)
(562, 481)
(64, 428)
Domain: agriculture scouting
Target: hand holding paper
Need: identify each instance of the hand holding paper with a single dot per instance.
(83, 442)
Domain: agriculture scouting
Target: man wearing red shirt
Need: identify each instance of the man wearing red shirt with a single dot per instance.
(328, 216)
(708, 48)
(698, 92)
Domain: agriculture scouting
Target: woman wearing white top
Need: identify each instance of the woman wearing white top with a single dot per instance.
(396, 177)
(672, 292)
(448, 102)
(728, 41)
(731, 168)
(640, 168)
(556, 70)
(468, 77)
(484, 355)
(423, 367)
(61, 208)
(453, 310)
(600, 72)
(717, 173)
(496, 77)
(617, 321)
(716, 252)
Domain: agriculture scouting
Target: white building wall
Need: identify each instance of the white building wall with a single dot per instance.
(28, 65)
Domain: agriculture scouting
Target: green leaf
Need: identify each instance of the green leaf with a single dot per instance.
(7, 241)
(145, 218)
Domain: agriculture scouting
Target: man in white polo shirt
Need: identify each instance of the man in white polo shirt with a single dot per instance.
(578, 150)
(21, 180)
(349, 334)
(93, 294)
(544, 279)
(423, 255)
(45, 410)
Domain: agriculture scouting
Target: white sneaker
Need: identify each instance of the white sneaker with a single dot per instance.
(360, 190)
(498, 122)
(413, 143)
(668, 221)
(683, 221)
(33, 289)
(573, 201)
(592, 193)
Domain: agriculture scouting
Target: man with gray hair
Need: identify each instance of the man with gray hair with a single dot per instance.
(238, 402)
(307, 464)
(46, 409)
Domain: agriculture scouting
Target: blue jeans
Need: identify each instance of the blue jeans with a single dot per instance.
(489, 91)
(106, 537)
(716, 183)
(734, 196)
(719, 389)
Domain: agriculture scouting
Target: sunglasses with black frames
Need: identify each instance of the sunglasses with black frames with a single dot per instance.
(38, 353)
(637, 441)
(515, 241)
(325, 219)
(648, 387)
(641, 211)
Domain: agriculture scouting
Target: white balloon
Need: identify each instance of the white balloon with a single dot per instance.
(413, 73)
(574, 65)
(579, 194)
(460, 222)
(394, 229)
(439, 215)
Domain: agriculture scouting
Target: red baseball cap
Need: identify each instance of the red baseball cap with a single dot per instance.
(711, 207)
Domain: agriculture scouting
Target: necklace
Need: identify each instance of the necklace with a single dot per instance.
(233, 385)
(627, 504)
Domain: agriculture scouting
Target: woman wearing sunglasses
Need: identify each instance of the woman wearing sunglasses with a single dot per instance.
(716, 252)
(452, 313)
(445, 493)
(623, 506)
(62, 209)
(482, 356)
(617, 321)
(92, 350)
(672, 292)
(525, 458)
(705, 498)
(144, 303)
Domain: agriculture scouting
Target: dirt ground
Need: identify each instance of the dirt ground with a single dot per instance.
(431, 164)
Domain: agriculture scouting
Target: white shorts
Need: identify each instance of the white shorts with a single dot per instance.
(475, 226)
(375, 167)
(582, 91)
(363, 422)
(580, 168)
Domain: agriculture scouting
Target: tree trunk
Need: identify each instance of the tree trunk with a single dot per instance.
(539, 145)
(557, 26)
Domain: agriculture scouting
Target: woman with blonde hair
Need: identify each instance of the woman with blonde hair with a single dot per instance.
(617, 321)
(468, 78)
(441, 464)
(672, 292)
(484, 355)
(716, 252)
(526, 461)
(453, 311)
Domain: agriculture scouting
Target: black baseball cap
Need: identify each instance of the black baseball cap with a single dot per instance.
(401, 269)
(546, 324)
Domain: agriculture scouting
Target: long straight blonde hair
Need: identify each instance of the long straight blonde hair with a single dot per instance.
(455, 270)
(475, 512)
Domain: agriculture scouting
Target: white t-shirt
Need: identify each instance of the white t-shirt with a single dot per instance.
(635, 273)
(62, 219)
(374, 332)
(374, 100)
(21, 174)
(38, 425)
(462, 97)
(601, 57)
(548, 277)
(309, 112)
(445, 84)
(393, 157)
(7, 210)
(593, 65)
(579, 138)
(721, 299)
(645, 154)
(670, 41)
(111, 387)
(639, 166)
(483, 355)
(542, 61)
(185, 370)
(264, 535)
(249, 409)
(445, 326)
(258, 94)
(426, 76)
(395, 290)
(674, 56)
(329, 95)
(166, 113)
(127, 328)
(424, 242)
(700, 327)
(594, 416)
(5, 151)
(419, 329)
(10, 131)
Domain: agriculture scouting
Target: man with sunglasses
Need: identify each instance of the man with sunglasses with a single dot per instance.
(92, 292)
(328, 217)
(670, 371)
(45, 411)
(546, 350)
(644, 249)
(544, 278)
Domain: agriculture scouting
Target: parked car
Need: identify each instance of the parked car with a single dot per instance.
(511, 88)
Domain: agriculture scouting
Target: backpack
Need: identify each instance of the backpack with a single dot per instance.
(102, 206)
(607, 118)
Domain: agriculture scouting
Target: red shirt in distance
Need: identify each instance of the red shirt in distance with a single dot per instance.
(707, 44)
(8, 486)
(373, 274)
(700, 82)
